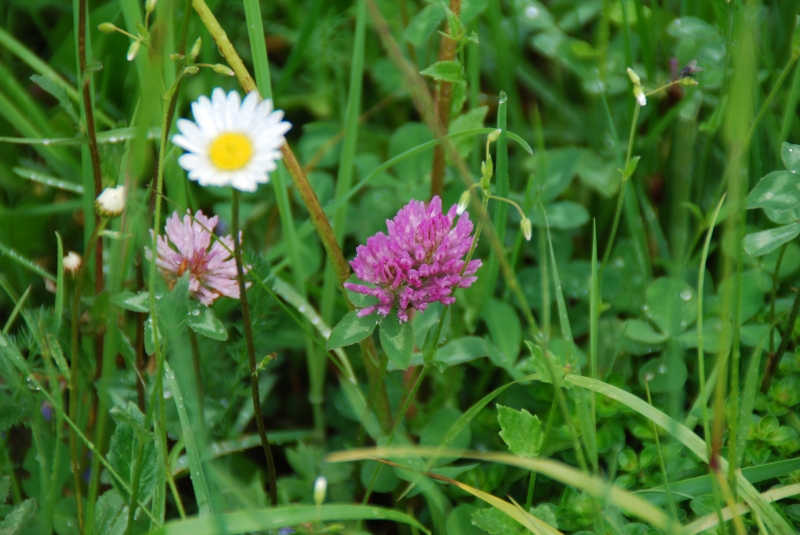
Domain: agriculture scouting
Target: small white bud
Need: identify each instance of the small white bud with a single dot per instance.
(527, 228)
(149, 5)
(689, 81)
(494, 135)
(111, 202)
(196, 48)
(219, 68)
(72, 263)
(320, 487)
(133, 50)
(463, 202)
(638, 92)
(191, 70)
(107, 27)
(634, 77)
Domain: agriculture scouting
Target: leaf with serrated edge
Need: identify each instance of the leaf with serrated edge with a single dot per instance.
(521, 431)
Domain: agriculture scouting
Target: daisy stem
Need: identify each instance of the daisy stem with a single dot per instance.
(251, 350)
(74, 370)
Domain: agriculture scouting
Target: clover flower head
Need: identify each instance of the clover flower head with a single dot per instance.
(419, 262)
(212, 271)
(231, 142)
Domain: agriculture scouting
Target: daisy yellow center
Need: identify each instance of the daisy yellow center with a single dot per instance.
(230, 151)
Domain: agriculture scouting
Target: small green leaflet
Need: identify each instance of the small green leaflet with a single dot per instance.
(397, 339)
(447, 71)
(522, 431)
(351, 330)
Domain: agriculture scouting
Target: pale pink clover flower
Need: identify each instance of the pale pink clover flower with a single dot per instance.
(212, 272)
(418, 263)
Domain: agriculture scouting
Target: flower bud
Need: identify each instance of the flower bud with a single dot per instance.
(688, 81)
(191, 70)
(133, 50)
(638, 92)
(494, 135)
(487, 170)
(196, 48)
(527, 228)
(463, 202)
(320, 486)
(219, 68)
(107, 27)
(149, 5)
(634, 77)
(111, 202)
(72, 263)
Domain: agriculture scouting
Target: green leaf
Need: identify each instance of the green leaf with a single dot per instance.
(131, 301)
(538, 357)
(110, 514)
(350, 330)
(360, 300)
(18, 518)
(790, 154)
(467, 121)
(202, 320)
(10, 414)
(5, 485)
(561, 215)
(521, 431)
(397, 339)
(59, 93)
(761, 243)
(505, 329)
(778, 191)
(496, 522)
(438, 428)
(423, 24)
(458, 351)
(58, 355)
(471, 9)
(671, 304)
(123, 450)
(632, 165)
(664, 376)
(447, 71)
(641, 331)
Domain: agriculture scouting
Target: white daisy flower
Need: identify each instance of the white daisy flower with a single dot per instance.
(233, 142)
(72, 263)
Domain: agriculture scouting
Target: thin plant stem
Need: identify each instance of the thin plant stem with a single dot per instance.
(251, 349)
(621, 199)
(137, 467)
(545, 438)
(198, 377)
(772, 361)
(773, 296)
(661, 463)
(74, 370)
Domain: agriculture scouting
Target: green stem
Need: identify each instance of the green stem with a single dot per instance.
(198, 377)
(773, 296)
(74, 370)
(772, 362)
(661, 463)
(137, 467)
(251, 350)
(621, 199)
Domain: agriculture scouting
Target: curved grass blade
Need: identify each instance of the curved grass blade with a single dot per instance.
(24, 262)
(282, 517)
(47, 180)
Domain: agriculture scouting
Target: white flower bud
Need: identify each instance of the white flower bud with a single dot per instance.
(219, 68)
(133, 50)
(638, 92)
(463, 202)
(196, 48)
(494, 135)
(72, 263)
(320, 487)
(111, 202)
(149, 5)
(634, 77)
(107, 27)
(191, 70)
(527, 228)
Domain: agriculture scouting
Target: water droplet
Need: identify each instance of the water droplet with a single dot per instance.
(619, 263)
(686, 294)
(790, 150)
(46, 142)
(649, 376)
(645, 308)
(301, 309)
(32, 383)
(158, 296)
(769, 195)
(195, 312)
(684, 323)
(531, 12)
(662, 368)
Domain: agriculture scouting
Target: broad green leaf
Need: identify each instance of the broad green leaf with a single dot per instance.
(471, 9)
(351, 329)
(424, 23)
(521, 431)
(597, 173)
(631, 167)
(447, 71)
(110, 514)
(130, 301)
(10, 414)
(538, 357)
(386, 481)
(458, 351)
(561, 215)
(761, 243)
(59, 93)
(459, 521)
(415, 166)
(664, 376)
(397, 340)
(642, 331)
(436, 430)
(124, 449)
(496, 522)
(752, 293)
(202, 320)
(505, 329)
(790, 154)
(779, 190)
(671, 304)
(713, 333)
(5, 485)
(467, 121)
(18, 518)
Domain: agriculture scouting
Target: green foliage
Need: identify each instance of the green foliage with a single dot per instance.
(521, 432)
